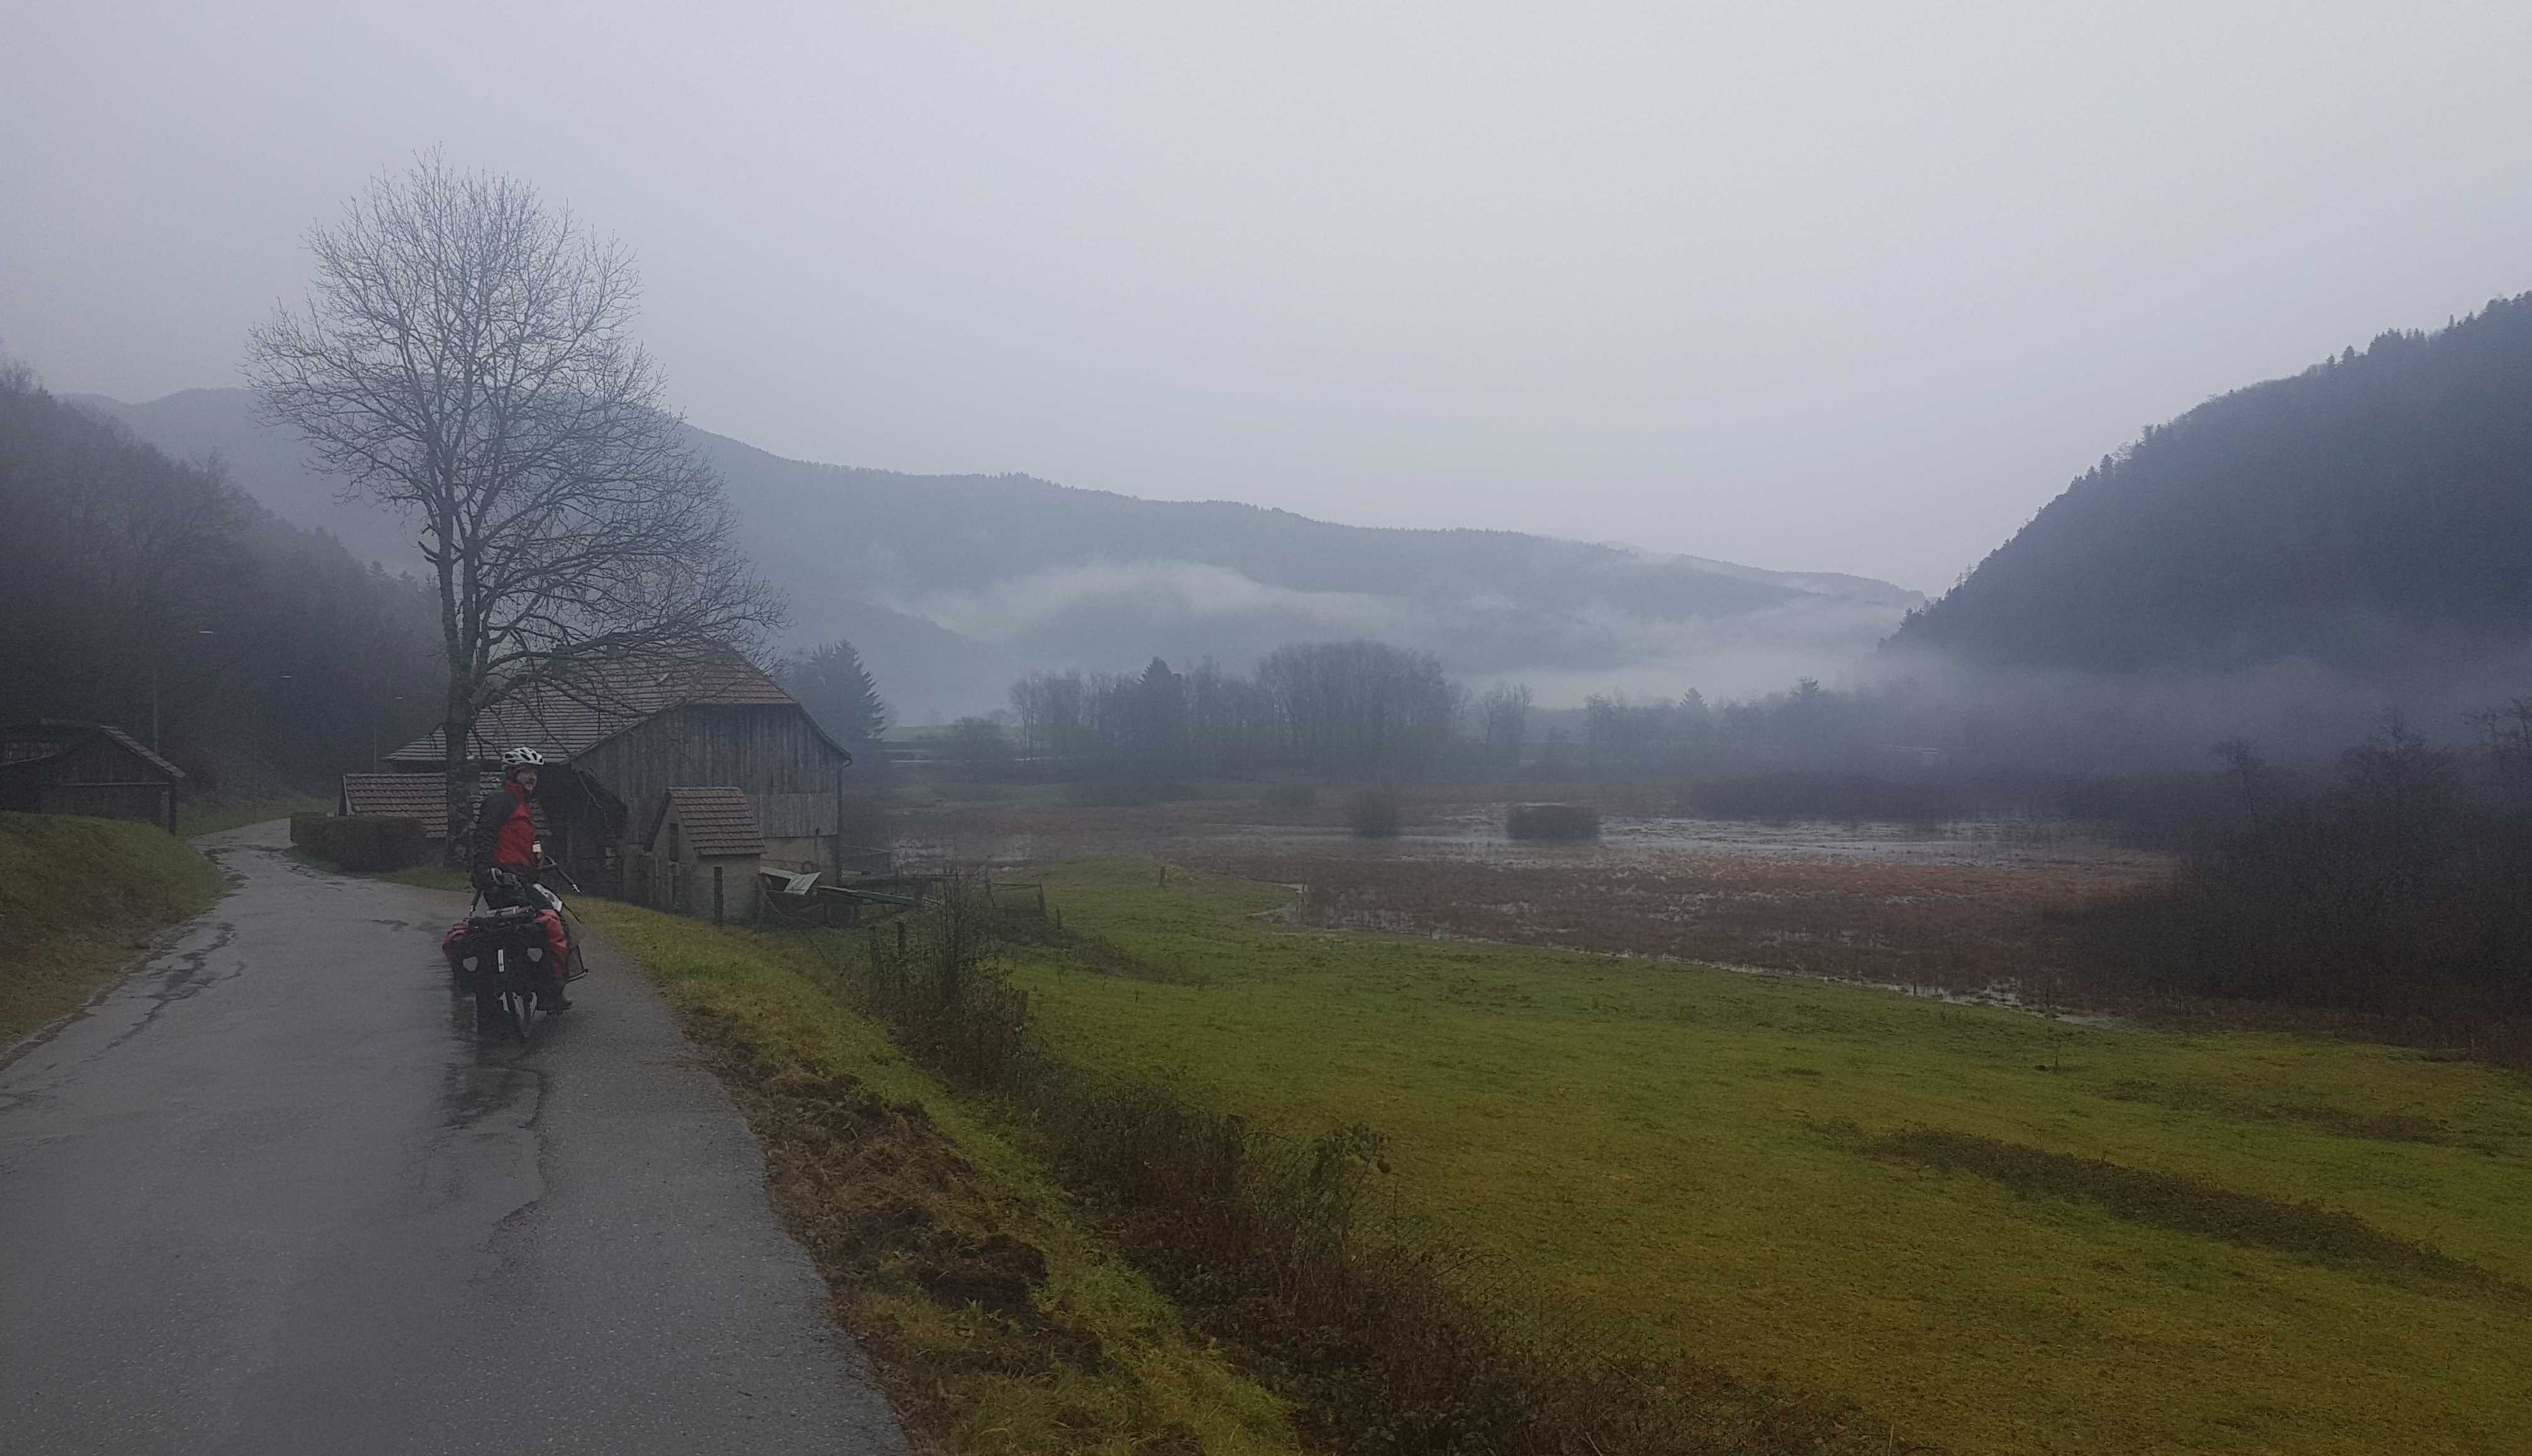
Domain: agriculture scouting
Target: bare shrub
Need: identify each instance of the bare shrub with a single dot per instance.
(2398, 893)
(1376, 815)
(927, 974)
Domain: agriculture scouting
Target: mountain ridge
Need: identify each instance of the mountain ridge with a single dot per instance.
(2372, 507)
(953, 585)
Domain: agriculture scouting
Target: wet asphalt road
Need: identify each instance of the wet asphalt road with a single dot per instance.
(273, 1194)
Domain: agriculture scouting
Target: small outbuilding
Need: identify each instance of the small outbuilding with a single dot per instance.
(704, 852)
(55, 766)
(414, 796)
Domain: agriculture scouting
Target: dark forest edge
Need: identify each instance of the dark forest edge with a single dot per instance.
(154, 594)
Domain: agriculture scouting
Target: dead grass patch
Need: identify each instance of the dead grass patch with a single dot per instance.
(1956, 928)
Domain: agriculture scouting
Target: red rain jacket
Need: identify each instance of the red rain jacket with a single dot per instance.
(505, 832)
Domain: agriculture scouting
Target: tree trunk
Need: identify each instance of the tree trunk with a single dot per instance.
(457, 729)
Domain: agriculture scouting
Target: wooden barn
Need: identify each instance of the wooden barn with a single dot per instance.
(56, 766)
(616, 745)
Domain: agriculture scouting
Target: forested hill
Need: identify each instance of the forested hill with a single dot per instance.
(954, 585)
(2371, 506)
(156, 595)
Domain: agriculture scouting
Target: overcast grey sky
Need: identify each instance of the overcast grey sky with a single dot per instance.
(1845, 288)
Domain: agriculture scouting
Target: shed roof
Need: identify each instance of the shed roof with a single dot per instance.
(565, 719)
(414, 796)
(716, 821)
(41, 738)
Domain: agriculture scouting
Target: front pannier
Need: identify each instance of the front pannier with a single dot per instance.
(522, 930)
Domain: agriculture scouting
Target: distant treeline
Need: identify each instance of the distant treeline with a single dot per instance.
(1359, 712)
(129, 580)
(1350, 709)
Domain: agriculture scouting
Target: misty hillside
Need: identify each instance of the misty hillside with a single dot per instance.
(953, 585)
(2356, 514)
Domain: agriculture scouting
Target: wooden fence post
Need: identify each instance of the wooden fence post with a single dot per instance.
(715, 894)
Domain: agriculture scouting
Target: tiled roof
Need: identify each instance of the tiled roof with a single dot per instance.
(565, 720)
(132, 746)
(414, 796)
(50, 738)
(716, 821)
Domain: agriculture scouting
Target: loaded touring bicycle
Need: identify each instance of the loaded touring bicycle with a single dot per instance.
(512, 959)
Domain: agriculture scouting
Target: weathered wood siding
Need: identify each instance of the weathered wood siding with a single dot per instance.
(100, 779)
(768, 751)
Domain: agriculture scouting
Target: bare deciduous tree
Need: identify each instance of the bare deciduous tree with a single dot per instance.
(1503, 715)
(465, 355)
(2244, 765)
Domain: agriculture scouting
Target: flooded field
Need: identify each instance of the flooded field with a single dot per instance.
(1461, 824)
(1966, 909)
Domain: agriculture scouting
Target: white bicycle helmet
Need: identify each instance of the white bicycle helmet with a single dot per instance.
(517, 758)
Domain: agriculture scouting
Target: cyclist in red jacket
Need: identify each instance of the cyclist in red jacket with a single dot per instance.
(505, 857)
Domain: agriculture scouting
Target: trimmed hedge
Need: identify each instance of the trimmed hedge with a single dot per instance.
(1552, 822)
(364, 842)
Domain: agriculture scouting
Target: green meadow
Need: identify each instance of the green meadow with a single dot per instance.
(2000, 1233)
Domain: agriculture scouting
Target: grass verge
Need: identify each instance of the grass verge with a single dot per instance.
(78, 899)
(998, 1320)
